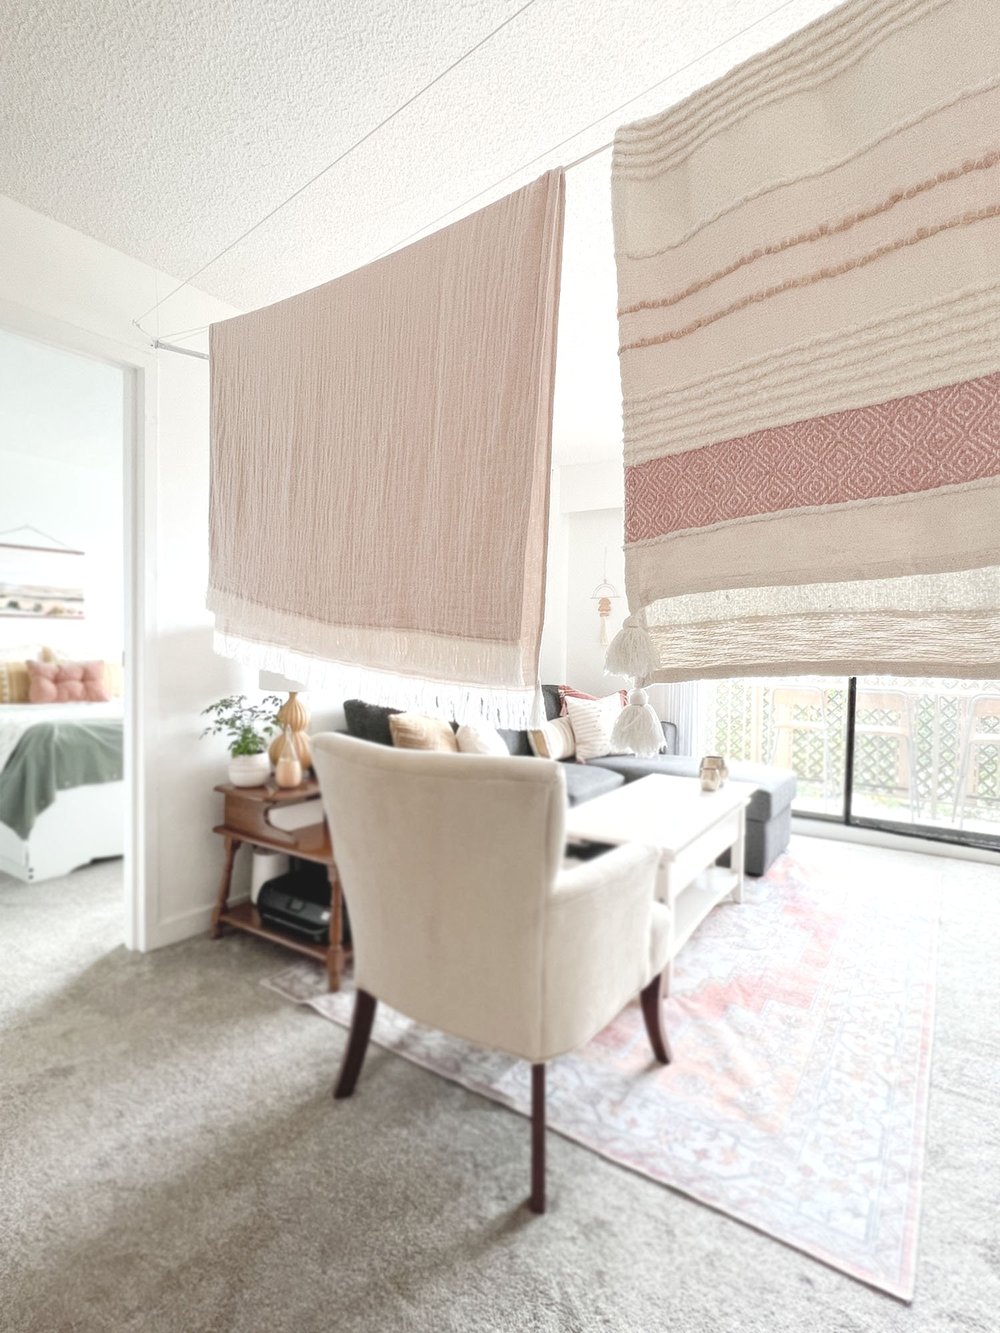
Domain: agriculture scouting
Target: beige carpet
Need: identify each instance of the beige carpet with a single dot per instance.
(171, 1161)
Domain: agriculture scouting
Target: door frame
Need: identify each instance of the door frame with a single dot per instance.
(139, 467)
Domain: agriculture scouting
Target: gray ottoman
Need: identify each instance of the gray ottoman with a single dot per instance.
(769, 814)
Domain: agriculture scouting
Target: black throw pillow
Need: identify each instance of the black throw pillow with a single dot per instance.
(369, 722)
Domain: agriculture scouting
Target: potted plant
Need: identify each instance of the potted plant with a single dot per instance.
(248, 728)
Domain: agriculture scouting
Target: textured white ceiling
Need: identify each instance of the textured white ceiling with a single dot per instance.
(167, 127)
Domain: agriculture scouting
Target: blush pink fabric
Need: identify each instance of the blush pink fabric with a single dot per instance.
(567, 691)
(67, 682)
(941, 437)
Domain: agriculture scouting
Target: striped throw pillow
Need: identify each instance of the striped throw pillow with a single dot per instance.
(553, 740)
(592, 721)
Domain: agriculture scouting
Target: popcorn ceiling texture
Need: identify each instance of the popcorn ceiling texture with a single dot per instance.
(166, 130)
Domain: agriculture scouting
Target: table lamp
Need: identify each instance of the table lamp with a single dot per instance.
(292, 714)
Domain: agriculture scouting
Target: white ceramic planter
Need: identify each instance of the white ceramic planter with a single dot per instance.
(249, 770)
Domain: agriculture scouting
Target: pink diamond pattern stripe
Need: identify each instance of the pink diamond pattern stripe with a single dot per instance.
(923, 441)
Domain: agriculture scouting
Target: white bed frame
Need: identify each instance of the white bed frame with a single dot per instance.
(83, 823)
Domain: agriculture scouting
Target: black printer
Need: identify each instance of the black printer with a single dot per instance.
(298, 901)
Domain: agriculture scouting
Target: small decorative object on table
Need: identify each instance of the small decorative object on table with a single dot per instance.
(288, 768)
(248, 727)
(713, 772)
(293, 713)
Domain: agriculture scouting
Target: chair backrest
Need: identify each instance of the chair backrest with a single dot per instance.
(446, 861)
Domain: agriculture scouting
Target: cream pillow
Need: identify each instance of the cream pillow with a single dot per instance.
(23, 652)
(15, 682)
(413, 731)
(114, 679)
(480, 738)
(593, 721)
(553, 740)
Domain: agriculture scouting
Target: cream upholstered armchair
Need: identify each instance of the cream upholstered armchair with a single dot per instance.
(464, 919)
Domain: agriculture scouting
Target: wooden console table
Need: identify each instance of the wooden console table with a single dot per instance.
(245, 821)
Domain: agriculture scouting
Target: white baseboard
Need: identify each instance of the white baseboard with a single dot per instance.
(900, 842)
(186, 925)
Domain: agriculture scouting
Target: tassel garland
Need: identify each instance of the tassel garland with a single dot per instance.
(631, 652)
(638, 728)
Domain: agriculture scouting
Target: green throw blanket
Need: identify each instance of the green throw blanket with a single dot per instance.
(51, 757)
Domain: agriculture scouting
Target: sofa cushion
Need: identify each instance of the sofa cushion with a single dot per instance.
(516, 741)
(669, 737)
(553, 740)
(585, 781)
(775, 787)
(414, 731)
(552, 695)
(479, 738)
(593, 722)
(369, 722)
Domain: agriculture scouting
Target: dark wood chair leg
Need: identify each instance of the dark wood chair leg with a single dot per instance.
(335, 951)
(651, 999)
(357, 1043)
(537, 1201)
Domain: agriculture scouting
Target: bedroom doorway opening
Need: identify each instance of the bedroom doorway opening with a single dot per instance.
(64, 426)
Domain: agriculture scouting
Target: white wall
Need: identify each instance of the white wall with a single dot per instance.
(586, 517)
(66, 288)
(61, 431)
(595, 544)
(588, 522)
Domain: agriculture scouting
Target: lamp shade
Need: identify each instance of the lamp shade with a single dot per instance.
(273, 680)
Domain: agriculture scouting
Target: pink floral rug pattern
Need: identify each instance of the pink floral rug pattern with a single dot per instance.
(801, 1023)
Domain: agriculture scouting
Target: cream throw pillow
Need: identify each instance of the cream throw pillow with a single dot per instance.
(15, 682)
(553, 740)
(592, 721)
(413, 731)
(480, 738)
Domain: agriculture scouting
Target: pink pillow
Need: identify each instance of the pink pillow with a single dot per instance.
(567, 692)
(66, 682)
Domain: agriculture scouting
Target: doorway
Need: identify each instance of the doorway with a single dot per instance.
(66, 620)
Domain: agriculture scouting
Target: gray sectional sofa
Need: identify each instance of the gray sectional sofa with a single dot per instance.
(769, 813)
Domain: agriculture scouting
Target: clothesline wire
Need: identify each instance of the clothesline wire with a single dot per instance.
(337, 160)
(594, 152)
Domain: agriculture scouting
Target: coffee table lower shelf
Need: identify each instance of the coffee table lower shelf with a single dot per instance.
(693, 904)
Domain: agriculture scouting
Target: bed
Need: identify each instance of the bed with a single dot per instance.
(62, 794)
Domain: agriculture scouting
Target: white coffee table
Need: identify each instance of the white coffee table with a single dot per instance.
(691, 828)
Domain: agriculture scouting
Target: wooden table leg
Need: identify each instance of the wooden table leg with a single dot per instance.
(222, 901)
(334, 957)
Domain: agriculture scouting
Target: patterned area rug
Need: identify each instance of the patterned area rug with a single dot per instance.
(801, 1024)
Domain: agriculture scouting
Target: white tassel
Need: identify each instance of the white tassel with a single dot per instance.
(638, 728)
(631, 652)
(537, 718)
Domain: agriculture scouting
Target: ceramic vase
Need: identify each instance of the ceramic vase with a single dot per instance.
(294, 714)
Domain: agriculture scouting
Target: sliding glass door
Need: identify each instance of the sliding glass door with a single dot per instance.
(908, 755)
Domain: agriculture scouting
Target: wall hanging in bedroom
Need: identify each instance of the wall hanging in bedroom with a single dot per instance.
(40, 577)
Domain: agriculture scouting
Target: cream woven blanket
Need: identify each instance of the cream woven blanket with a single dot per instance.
(380, 469)
(809, 287)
